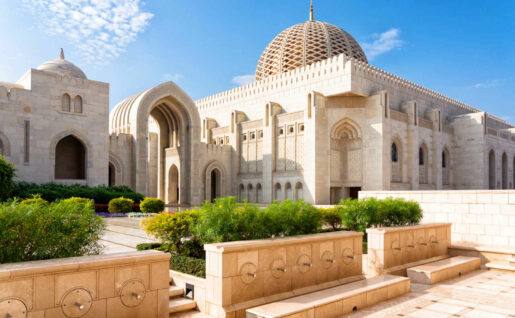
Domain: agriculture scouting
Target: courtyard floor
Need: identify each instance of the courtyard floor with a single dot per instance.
(123, 234)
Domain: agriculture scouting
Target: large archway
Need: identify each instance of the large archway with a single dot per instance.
(70, 159)
(176, 134)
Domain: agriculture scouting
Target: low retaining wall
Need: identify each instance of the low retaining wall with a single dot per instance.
(390, 249)
(245, 274)
(478, 217)
(131, 284)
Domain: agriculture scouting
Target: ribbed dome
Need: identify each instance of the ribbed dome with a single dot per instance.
(63, 67)
(304, 44)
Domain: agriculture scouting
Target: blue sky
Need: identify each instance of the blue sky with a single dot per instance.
(462, 48)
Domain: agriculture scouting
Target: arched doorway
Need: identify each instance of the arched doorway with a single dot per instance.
(173, 185)
(112, 175)
(445, 166)
(423, 164)
(491, 170)
(259, 193)
(289, 191)
(278, 193)
(299, 193)
(216, 184)
(177, 140)
(504, 171)
(70, 159)
(250, 193)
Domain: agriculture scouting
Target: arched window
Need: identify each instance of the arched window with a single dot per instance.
(491, 170)
(242, 193)
(278, 195)
(250, 193)
(1, 148)
(77, 104)
(259, 193)
(504, 171)
(299, 191)
(289, 191)
(445, 167)
(112, 175)
(65, 103)
(70, 159)
(420, 156)
(394, 152)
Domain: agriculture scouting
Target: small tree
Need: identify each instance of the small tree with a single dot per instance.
(152, 205)
(7, 173)
(120, 205)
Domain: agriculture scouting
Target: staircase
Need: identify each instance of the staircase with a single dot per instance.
(507, 265)
(181, 306)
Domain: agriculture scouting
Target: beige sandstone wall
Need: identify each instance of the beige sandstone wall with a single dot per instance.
(131, 284)
(478, 217)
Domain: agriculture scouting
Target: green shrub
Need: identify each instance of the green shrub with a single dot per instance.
(45, 231)
(7, 173)
(358, 215)
(120, 205)
(34, 200)
(148, 246)
(330, 218)
(188, 265)
(289, 218)
(152, 205)
(53, 192)
(84, 201)
(171, 228)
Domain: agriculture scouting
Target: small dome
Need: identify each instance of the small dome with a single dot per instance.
(304, 44)
(63, 67)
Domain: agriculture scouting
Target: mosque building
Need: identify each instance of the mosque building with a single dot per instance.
(318, 123)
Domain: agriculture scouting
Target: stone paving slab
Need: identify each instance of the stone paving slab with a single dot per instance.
(123, 235)
(477, 294)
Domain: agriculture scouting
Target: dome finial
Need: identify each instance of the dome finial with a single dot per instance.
(311, 11)
(61, 54)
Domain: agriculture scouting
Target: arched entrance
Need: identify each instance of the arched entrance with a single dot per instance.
(214, 181)
(216, 186)
(173, 185)
(173, 135)
(346, 159)
(504, 168)
(70, 159)
(112, 175)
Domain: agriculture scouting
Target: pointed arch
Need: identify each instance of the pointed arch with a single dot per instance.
(423, 164)
(396, 154)
(491, 170)
(346, 128)
(66, 102)
(214, 175)
(504, 171)
(5, 145)
(446, 166)
(88, 149)
(116, 173)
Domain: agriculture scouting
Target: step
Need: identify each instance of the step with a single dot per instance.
(432, 273)
(190, 314)
(501, 265)
(175, 291)
(181, 304)
(335, 301)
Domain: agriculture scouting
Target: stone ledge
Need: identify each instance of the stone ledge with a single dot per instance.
(403, 228)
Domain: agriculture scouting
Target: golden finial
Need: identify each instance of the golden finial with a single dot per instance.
(61, 54)
(311, 11)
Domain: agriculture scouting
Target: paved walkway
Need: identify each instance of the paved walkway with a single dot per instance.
(123, 234)
(488, 294)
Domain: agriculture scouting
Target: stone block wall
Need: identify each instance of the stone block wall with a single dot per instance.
(478, 217)
(245, 274)
(131, 284)
(392, 247)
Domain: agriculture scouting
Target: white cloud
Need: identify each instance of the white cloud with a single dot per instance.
(172, 77)
(488, 83)
(243, 79)
(99, 29)
(383, 42)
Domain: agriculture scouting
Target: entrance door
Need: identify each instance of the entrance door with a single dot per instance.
(353, 192)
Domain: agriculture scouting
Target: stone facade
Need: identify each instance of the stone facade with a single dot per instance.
(322, 131)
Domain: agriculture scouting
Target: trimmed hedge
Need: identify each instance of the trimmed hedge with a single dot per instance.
(152, 205)
(40, 231)
(188, 265)
(53, 192)
(120, 205)
(7, 173)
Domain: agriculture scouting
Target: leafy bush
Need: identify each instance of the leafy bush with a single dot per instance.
(330, 218)
(358, 215)
(188, 265)
(152, 205)
(7, 173)
(40, 231)
(53, 192)
(84, 201)
(293, 218)
(34, 200)
(147, 246)
(172, 228)
(120, 205)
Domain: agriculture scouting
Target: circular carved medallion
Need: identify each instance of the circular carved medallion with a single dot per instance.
(304, 263)
(348, 256)
(132, 293)
(13, 307)
(248, 273)
(278, 268)
(76, 302)
(327, 259)
(396, 248)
